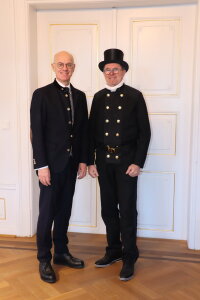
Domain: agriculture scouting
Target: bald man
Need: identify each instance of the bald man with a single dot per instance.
(59, 121)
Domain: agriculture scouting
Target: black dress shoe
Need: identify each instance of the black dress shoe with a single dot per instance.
(46, 272)
(67, 259)
(107, 260)
(127, 270)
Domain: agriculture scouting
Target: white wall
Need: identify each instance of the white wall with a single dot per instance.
(9, 133)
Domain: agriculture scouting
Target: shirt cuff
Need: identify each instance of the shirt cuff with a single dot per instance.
(41, 168)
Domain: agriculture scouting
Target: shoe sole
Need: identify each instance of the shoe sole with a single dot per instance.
(126, 278)
(74, 267)
(48, 281)
(112, 262)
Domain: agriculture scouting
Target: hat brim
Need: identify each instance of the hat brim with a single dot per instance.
(120, 62)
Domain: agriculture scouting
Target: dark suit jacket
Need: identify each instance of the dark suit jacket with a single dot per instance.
(119, 119)
(50, 129)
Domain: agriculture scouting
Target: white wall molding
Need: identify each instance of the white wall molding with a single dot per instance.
(8, 187)
(22, 99)
(194, 203)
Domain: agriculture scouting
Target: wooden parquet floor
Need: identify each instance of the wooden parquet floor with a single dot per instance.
(166, 269)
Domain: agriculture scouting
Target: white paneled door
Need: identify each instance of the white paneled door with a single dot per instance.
(158, 44)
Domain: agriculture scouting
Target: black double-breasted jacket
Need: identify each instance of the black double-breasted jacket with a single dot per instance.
(54, 139)
(119, 127)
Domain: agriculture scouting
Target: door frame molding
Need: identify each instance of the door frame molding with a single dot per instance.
(193, 236)
(26, 70)
(74, 4)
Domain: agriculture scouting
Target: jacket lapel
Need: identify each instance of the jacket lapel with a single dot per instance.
(75, 101)
(74, 96)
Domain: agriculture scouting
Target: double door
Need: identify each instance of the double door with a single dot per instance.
(158, 44)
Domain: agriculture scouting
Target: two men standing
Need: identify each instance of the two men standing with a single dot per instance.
(119, 135)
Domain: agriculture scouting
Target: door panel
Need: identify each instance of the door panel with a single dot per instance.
(85, 34)
(155, 53)
(159, 43)
(84, 37)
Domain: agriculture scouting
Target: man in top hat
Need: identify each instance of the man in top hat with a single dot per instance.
(119, 139)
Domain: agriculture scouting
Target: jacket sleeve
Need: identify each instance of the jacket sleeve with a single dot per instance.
(37, 118)
(84, 129)
(144, 132)
(92, 126)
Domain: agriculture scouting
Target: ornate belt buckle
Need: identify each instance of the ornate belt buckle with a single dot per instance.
(111, 149)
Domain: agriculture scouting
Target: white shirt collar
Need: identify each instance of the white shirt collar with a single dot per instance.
(61, 84)
(114, 88)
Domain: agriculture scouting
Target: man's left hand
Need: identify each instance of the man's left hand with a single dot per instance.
(133, 170)
(82, 169)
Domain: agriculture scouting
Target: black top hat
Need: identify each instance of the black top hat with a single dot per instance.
(113, 56)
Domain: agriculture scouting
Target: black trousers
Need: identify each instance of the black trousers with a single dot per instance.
(118, 208)
(55, 206)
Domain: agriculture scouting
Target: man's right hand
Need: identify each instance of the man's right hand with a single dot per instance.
(92, 170)
(44, 176)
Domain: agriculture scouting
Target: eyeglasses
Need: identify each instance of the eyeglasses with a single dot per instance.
(61, 65)
(107, 71)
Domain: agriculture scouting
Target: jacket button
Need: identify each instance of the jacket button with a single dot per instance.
(108, 95)
(68, 108)
(121, 95)
(117, 134)
(118, 121)
(119, 107)
(106, 133)
(66, 95)
(116, 156)
(68, 150)
(108, 155)
(107, 121)
(107, 107)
